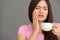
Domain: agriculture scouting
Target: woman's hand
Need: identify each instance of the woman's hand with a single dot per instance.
(56, 30)
(36, 26)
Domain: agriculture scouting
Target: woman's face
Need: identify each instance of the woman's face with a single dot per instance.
(41, 10)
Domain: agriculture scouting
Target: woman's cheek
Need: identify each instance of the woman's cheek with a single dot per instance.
(45, 17)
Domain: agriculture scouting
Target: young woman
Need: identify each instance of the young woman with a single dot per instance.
(39, 12)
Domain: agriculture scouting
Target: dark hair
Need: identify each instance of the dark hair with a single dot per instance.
(47, 35)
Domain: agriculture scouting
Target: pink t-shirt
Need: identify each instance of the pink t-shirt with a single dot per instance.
(27, 30)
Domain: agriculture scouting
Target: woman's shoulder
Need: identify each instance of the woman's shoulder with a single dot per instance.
(25, 26)
(23, 29)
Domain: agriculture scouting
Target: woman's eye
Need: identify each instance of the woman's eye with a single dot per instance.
(45, 9)
(37, 8)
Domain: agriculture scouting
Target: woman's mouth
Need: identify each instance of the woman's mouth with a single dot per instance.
(40, 16)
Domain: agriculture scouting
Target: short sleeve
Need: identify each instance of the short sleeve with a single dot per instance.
(22, 30)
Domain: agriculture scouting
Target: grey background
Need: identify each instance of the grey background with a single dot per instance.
(14, 13)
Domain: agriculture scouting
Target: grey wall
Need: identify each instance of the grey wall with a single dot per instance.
(14, 13)
(56, 9)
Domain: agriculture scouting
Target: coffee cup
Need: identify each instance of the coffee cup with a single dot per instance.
(46, 26)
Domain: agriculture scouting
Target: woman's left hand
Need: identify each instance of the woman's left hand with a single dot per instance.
(56, 30)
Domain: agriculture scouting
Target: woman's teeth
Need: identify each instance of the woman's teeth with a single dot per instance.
(41, 16)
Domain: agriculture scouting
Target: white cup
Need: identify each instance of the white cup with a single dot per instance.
(46, 26)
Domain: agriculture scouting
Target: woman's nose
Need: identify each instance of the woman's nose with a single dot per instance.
(40, 11)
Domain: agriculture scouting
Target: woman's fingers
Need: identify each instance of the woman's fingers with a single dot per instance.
(35, 22)
(54, 25)
(35, 18)
(56, 30)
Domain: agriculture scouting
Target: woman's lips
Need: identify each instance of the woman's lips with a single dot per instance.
(40, 16)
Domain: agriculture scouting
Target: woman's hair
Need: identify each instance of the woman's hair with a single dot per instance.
(47, 35)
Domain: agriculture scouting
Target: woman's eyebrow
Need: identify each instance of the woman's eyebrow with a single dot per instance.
(43, 6)
(38, 6)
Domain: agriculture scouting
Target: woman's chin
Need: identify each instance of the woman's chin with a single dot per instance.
(41, 20)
